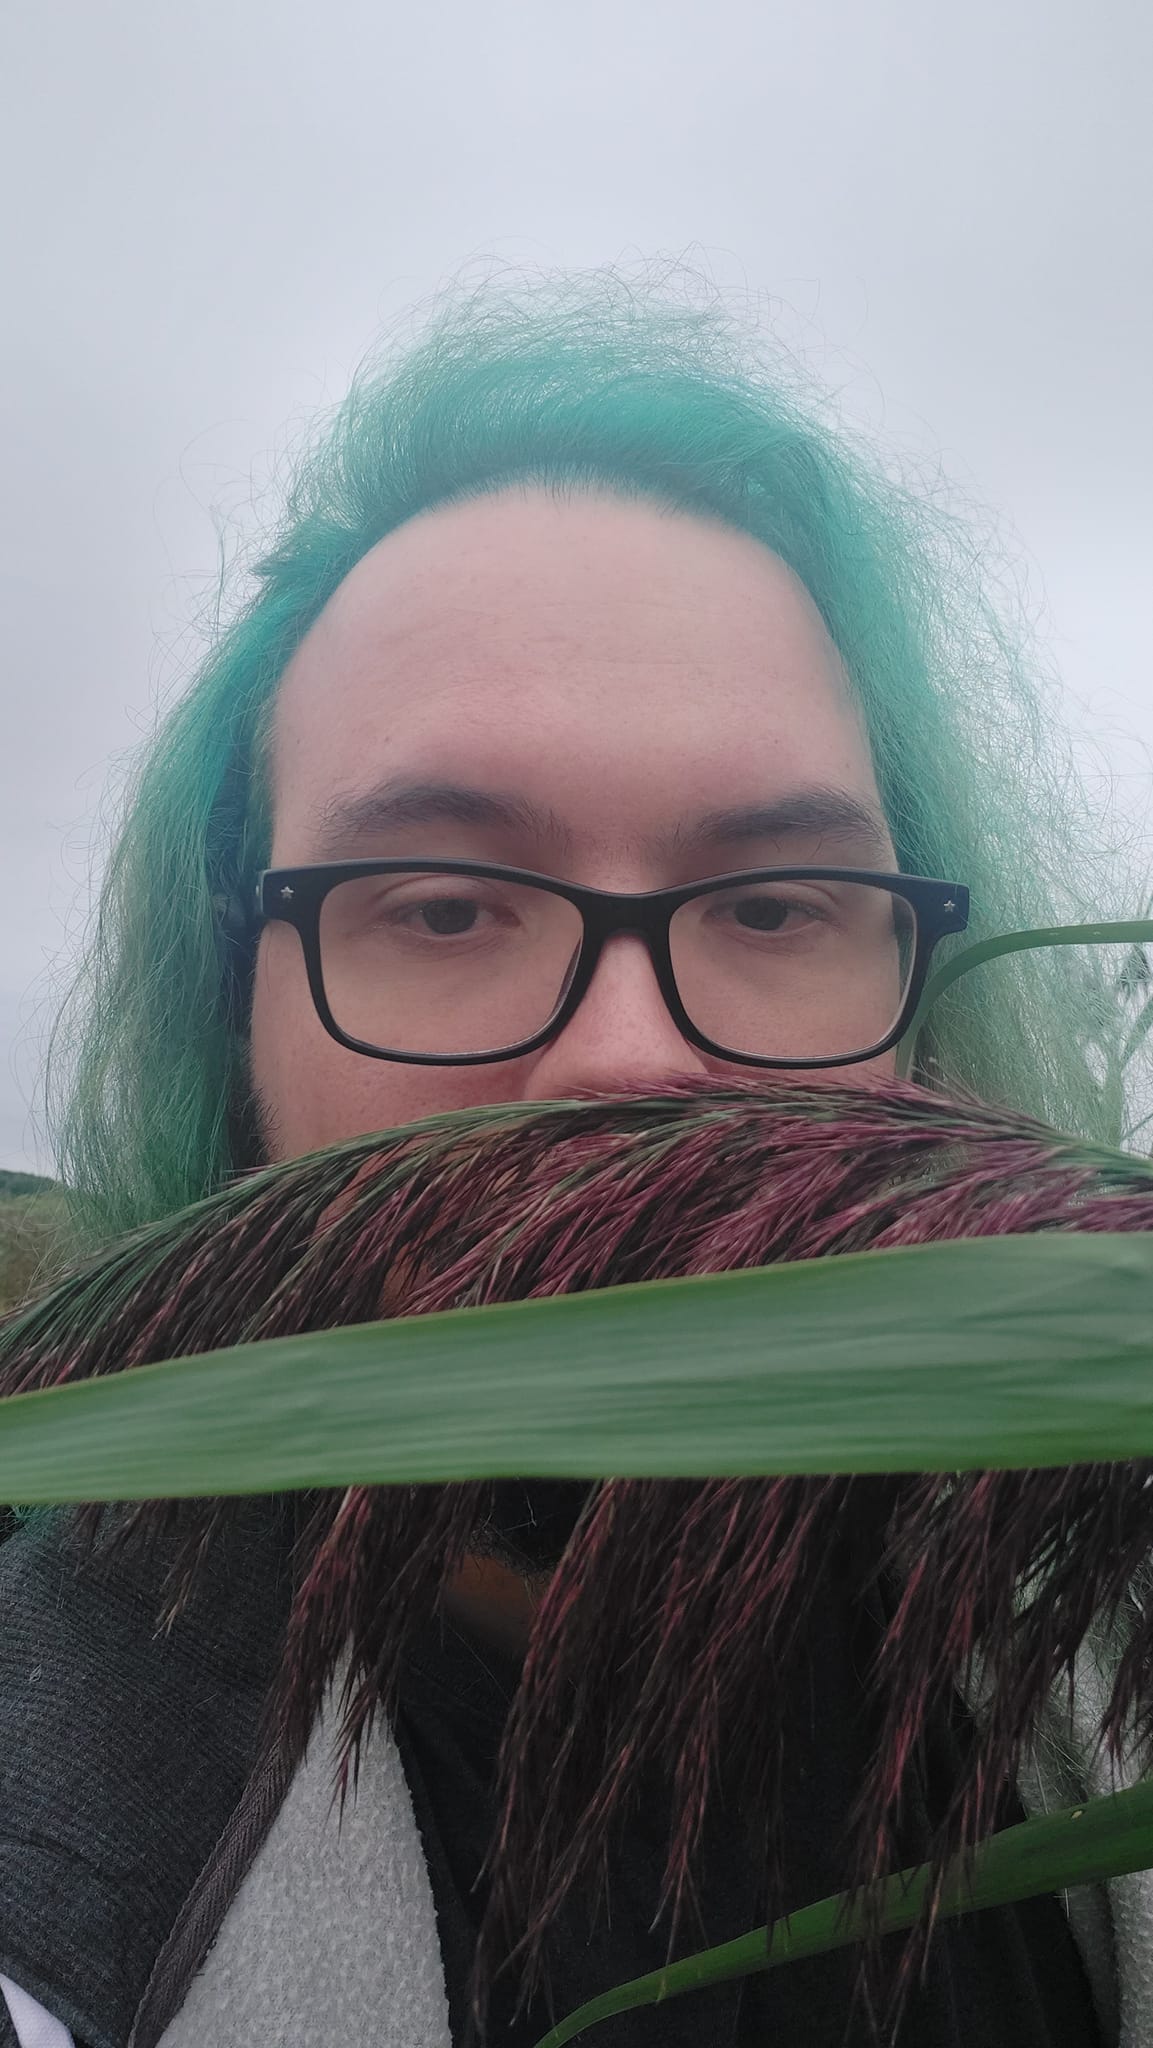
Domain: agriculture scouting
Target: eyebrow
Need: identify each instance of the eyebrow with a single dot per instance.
(820, 812)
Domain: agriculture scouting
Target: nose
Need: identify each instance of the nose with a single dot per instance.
(622, 1033)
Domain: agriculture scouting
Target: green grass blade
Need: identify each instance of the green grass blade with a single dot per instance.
(998, 1352)
(1133, 931)
(1139, 1032)
(1080, 1845)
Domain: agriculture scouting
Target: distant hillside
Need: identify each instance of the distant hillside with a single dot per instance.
(31, 1234)
(12, 1183)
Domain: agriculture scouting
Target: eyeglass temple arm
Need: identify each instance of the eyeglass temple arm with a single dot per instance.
(1129, 931)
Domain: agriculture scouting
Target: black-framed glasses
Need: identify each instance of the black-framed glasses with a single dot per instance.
(461, 962)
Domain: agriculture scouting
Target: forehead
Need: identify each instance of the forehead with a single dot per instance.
(616, 662)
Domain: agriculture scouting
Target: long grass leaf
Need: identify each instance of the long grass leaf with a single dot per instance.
(1001, 1352)
(1132, 931)
(1080, 1845)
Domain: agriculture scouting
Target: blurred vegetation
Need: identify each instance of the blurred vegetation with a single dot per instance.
(32, 1229)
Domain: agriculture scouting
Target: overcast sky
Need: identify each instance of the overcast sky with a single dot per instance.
(211, 210)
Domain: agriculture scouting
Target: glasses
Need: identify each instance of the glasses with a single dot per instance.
(460, 962)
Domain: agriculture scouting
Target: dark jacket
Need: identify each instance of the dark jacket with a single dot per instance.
(129, 1815)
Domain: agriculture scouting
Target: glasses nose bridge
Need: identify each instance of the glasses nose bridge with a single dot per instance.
(625, 916)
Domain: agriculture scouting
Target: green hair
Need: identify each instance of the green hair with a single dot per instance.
(595, 381)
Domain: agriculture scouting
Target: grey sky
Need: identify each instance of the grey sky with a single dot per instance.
(947, 207)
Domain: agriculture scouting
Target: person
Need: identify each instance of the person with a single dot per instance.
(577, 582)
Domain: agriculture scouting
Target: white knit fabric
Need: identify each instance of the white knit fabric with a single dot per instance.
(34, 2027)
(332, 1937)
(1111, 1923)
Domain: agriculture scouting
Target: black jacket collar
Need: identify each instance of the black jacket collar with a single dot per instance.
(123, 1751)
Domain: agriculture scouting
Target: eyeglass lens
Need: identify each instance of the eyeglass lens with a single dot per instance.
(452, 964)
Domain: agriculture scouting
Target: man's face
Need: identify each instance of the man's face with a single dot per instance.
(626, 670)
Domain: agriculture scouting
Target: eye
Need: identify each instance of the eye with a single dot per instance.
(445, 916)
(447, 912)
(769, 910)
(761, 913)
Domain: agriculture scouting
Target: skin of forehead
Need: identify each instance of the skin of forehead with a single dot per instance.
(625, 668)
(626, 664)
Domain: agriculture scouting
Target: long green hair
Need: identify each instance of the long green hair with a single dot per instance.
(594, 380)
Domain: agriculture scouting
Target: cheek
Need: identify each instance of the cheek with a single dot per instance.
(862, 1074)
(313, 1092)
(875, 1071)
